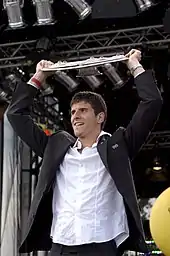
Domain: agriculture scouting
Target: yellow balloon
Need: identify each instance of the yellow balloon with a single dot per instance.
(160, 222)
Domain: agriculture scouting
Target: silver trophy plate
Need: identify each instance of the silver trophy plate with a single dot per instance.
(91, 62)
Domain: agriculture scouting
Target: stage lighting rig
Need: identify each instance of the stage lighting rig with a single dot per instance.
(93, 81)
(110, 71)
(81, 8)
(68, 81)
(44, 12)
(143, 5)
(14, 12)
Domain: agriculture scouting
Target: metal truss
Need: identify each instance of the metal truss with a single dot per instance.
(86, 45)
(109, 42)
(46, 114)
(161, 138)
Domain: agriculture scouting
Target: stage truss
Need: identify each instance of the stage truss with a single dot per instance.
(82, 46)
(159, 138)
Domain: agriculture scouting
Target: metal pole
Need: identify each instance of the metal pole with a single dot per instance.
(1, 166)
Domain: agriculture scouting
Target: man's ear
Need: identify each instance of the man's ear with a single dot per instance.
(100, 118)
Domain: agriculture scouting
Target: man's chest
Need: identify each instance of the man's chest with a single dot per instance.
(82, 170)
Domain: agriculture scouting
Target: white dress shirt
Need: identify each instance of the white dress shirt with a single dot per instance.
(87, 206)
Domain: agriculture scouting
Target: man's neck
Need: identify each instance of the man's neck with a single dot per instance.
(89, 140)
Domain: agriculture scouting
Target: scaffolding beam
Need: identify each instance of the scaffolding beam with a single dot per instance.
(83, 46)
(159, 138)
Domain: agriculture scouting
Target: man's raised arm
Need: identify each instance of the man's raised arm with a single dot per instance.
(148, 111)
(18, 112)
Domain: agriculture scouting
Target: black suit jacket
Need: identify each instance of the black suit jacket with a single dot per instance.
(116, 153)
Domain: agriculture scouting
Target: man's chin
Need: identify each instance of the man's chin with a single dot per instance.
(78, 134)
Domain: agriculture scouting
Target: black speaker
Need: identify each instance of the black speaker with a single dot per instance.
(106, 9)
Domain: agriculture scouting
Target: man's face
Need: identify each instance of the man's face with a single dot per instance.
(83, 119)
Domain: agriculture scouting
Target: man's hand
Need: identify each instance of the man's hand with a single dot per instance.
(133, 62)
(134, 57)
(40, 75)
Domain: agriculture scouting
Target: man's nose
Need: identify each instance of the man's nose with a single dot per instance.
(77, 114)
(76, 117)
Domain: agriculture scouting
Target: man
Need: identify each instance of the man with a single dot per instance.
(85, 201)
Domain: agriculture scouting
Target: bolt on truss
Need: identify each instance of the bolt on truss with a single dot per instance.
(83, 46)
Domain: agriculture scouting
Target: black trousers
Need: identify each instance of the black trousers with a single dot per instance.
(93, 249)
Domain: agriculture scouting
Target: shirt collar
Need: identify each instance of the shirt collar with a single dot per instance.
(78, 144)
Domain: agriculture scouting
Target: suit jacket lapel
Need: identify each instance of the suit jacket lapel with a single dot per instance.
(102, 149)
(57, 147)
(112, 143)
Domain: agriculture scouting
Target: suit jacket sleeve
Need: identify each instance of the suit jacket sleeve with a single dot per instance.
(146, 114)
(18, 115)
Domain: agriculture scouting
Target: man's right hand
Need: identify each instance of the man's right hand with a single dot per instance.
(40, 75)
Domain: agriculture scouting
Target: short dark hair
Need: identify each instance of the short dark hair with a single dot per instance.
(94, 99)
